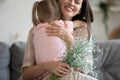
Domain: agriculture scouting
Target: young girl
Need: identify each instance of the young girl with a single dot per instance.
(52, 46)
(34, 67)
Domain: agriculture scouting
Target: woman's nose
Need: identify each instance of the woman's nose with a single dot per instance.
(72, 2)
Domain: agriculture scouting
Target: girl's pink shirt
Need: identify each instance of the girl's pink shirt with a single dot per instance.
(49, 48)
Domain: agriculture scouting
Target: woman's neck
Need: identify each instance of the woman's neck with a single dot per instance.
(66, 19)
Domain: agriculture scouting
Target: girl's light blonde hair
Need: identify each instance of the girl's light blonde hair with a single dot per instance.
(45, 11)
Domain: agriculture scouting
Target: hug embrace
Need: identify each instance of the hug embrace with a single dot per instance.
(56, 26)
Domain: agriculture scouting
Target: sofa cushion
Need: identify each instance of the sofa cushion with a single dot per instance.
(17, 52)
(107, 60)
(4, 61)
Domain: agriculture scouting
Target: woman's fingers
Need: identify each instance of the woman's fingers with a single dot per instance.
(55, 32)
(53, 28)
(59, 74)
(60, 69)
(64, 69)
(56, 24)
(66, 66)
(50, 30)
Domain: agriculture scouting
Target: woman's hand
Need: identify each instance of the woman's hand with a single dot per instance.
(61, 32)
(56, 30)
(58, 68)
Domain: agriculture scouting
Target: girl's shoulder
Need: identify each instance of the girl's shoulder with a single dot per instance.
(40, 26)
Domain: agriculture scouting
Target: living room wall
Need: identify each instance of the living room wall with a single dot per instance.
(98, 26)
(15, 20)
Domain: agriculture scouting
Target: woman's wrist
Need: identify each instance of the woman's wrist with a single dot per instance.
(69, 39)
(45, 65)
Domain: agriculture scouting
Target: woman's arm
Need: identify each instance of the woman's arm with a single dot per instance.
(63, 33)
(31, 70)
(58, 68)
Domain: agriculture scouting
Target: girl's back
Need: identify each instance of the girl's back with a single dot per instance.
(49, 48)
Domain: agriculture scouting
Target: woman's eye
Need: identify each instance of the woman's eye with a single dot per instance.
(77, 1)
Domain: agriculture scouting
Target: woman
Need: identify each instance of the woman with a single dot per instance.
(80, 9)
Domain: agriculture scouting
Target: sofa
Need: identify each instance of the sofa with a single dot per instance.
(106, 60)
(11, 58)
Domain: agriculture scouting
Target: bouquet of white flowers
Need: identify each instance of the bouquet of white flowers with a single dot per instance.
(78, 56)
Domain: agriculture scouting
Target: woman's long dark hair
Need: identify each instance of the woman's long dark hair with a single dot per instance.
(85, 15)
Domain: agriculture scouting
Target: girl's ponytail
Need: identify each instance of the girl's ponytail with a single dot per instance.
(35, 19)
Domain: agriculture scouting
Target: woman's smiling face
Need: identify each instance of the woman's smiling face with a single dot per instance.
(69, 8)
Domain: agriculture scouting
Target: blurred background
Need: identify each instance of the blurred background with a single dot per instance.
(107, 19)
(15, 19)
